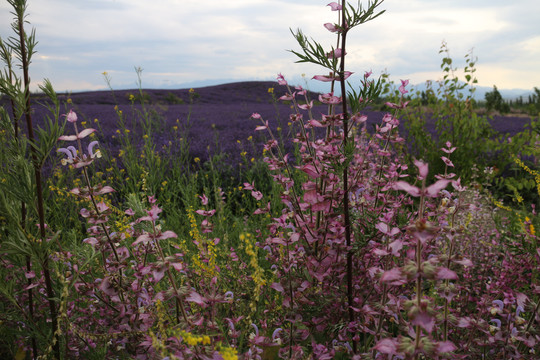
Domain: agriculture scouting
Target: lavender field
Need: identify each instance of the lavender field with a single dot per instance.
(258, 220)
(219, 116)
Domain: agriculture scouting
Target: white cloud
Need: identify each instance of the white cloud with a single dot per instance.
(177, 41)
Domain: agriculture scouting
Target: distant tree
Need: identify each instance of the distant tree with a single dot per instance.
(536, 96)
(495, 101)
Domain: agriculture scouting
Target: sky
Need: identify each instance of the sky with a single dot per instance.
(189, 43)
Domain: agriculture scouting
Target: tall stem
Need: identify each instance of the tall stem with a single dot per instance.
(23, 217)
(346, 211)
(37, 174)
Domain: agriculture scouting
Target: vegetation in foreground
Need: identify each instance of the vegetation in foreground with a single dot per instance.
(345, 244)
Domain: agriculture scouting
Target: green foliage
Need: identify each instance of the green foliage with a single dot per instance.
(494, 101)
(173, 99)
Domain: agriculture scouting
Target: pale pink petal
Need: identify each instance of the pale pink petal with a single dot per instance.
(422, 168)
(434, 189)
(196, 298)
(167, 235)
(387, 346)
(144, 238)
(68, 137)
(405, 186)
(331, 27)
(446, 346)
(85, 133)
(334, 6)
(446, 274)
(424, 320)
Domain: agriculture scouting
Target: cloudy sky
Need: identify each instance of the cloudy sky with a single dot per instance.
(183, 43)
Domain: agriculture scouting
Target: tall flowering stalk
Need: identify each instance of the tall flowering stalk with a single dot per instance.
(22, 47)
(313, 52)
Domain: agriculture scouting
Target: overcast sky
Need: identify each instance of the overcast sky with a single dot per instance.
(182, 42)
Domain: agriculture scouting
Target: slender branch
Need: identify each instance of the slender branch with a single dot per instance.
(37, 173)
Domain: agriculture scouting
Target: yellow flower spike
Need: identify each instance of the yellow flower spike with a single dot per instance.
(271, 90)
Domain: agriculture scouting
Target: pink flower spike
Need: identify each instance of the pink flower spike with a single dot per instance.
(255, 116)
(449, 148)
(281, 80)
(402, 87)
(204, 200)
(335, 6)
(71, 116)
(153, 213)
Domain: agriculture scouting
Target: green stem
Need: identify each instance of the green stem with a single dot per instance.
(37, 174)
